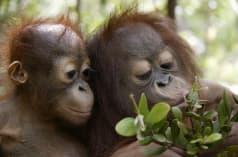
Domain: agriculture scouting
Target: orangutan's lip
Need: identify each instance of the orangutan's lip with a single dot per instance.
(85, 114)
(81, 113)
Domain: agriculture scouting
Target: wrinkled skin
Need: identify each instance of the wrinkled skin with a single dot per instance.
(49, 69)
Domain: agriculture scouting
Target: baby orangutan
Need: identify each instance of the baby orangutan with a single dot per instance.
(49, 68)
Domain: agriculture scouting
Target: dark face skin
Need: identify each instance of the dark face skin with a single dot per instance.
(51, 89)
(149, 65)
(73, 98)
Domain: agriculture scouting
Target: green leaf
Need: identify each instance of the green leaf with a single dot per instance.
(157, 113)
(193, 98)
(181, 140)
(159, 138)
(235, 118)
(197, 126)
(163, 127)
(182, 127)
(208, 123)
(209, 114)
(174, 129)
(192, 152)
(126, 127)
(204, 147)
(193, 115)
(207, 130)
(177, 113)
(224, 110)
(198, 140)
(143, 105)
(157, 126)
(146, 140)
(192, 149)
(168, 133)
(197, 105)
(154, 151)
(212, 138)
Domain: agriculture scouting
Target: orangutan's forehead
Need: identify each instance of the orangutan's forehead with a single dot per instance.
(53, 28)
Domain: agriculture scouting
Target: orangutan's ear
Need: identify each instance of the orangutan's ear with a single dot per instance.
(17, 73)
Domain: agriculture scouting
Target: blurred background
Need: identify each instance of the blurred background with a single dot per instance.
(209, 26)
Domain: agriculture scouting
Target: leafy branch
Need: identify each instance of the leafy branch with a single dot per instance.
(207, 129)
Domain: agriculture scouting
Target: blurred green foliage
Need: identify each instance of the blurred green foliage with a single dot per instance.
(210, 26)
(215, 24)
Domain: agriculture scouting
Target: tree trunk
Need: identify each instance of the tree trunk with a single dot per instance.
(77, 8)
(171, 8)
